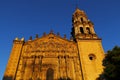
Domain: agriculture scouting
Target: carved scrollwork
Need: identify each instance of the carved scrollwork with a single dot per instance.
(51, 47)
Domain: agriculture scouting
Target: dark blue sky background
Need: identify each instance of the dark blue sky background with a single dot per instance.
(25, 18)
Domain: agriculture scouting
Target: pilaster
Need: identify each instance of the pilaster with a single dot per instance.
(13, 61)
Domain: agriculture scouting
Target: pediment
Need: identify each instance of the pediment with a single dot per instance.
(50, 38)
(50, 43)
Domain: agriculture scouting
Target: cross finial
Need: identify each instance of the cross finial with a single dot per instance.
(77, 3)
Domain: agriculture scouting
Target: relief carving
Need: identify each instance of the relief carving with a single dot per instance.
(36, 51)
(51, 47)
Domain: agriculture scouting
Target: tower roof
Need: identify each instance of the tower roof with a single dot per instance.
(79, 12)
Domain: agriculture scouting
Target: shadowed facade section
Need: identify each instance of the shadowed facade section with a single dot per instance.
(7, 78)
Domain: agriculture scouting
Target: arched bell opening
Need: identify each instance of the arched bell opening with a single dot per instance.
(88, 30)
(81, 30)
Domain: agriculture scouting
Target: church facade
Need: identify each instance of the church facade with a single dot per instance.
(52, 57)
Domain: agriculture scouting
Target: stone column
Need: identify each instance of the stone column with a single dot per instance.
(36, 68)
(67, 67)
(60, 67)
(28, 69)
(64, 67)
(23, 68)
(40, 67)
(77, 69)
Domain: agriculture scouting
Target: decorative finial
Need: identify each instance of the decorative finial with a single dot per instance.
(51, 31)
(30, 38)
(44, 34)
(76, 4)
(71, 38)
(22, 39)
(16, 38)
(58, 34)
(36, 35)
(65, 36)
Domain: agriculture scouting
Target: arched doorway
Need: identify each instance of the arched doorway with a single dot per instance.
(50, 74)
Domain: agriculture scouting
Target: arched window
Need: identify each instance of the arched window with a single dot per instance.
(81, 19)
(88, 30)
(50, 74)
(81, 30)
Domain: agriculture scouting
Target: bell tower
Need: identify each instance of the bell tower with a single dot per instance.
(83, 28)
(89, 45)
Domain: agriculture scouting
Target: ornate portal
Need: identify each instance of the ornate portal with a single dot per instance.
(50, 74)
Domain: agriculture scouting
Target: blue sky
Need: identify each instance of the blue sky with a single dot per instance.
(25, 18)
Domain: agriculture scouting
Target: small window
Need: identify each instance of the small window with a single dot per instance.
(81, 19)
(92, 57)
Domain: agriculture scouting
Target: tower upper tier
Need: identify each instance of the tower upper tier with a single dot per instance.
(83, 28)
